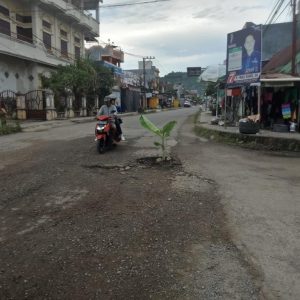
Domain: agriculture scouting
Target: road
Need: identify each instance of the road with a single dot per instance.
(218, 222)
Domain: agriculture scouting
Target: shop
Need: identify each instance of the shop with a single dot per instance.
(279, 107)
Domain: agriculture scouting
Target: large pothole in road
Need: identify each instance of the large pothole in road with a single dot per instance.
(156, 161)
(142, 162)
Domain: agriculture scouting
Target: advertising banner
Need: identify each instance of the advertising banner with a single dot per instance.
(244, 56)
(194, 71)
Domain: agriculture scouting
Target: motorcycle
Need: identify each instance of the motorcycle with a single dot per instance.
(106, 133)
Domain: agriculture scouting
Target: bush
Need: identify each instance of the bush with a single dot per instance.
(9, 128)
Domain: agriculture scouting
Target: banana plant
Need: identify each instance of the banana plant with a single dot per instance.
(163, 133)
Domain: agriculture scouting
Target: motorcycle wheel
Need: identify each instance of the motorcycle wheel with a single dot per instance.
(101, 146)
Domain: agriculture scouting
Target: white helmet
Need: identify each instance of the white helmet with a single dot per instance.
(106, 99)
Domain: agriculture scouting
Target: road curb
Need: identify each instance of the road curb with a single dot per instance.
(248, 140)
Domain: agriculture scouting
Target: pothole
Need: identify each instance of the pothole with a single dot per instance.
(110, 167)
(156, 161)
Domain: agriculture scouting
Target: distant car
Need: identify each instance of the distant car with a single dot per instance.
(187, 103)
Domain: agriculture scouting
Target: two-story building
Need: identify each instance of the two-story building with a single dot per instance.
(38, 35)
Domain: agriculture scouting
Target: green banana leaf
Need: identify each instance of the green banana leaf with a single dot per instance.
(146, 123)
(168, 128)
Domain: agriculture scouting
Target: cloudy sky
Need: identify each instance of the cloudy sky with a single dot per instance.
(180, 34)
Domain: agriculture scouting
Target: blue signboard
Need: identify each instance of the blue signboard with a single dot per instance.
(244, 56)
(115, 69)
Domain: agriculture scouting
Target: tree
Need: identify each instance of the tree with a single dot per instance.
(211, 89)
(81, 78)
(104, 81)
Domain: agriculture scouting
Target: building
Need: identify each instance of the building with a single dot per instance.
(151, 74)
(38, 35)
(110, 57)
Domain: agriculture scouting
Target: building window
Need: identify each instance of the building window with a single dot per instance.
(77, 52)
(63, 34)
(4, 27)
(23, 19)
(77, 40)
(64, 48)
(47, 40)
(46, 25)
(4, 10)
(24, 34)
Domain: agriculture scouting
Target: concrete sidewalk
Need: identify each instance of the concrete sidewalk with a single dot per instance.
(31, 125)
(264, 139)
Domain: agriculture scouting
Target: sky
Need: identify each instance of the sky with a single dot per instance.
(179, 34)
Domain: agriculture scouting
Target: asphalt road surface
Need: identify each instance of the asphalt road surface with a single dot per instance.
(216, 222)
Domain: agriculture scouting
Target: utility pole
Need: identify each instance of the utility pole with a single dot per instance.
(144, 74)
(294, 38)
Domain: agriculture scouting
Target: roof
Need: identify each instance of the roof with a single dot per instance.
(276, 37)
(281, 61)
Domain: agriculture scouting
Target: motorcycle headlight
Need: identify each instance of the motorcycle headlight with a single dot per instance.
(99, 128)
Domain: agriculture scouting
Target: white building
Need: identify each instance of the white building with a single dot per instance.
(38, 35)
(151, 74)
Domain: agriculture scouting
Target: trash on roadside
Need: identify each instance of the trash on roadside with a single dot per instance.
(250, 124)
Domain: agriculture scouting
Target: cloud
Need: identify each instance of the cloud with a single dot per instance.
(210, 12)
(179, 33)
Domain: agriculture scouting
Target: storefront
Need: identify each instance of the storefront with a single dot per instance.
(279, 105)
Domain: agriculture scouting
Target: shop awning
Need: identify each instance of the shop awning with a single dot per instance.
(279, 79)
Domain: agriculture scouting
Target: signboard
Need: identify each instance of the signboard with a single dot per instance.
(244, 56)
(194, 71)
(115, 69)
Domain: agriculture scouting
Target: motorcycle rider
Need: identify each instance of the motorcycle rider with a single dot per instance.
(109, 109)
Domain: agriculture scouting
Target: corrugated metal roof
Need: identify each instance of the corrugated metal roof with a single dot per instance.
(281, 61)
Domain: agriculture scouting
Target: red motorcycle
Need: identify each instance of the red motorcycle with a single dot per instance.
(106, 133)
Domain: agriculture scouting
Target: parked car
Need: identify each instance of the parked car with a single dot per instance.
(187, 103)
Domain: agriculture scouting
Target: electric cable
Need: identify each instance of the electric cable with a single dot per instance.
(133, 3)
(288, 4)
(274, 15)
(100, 6)
(272, 11)
(276, 12)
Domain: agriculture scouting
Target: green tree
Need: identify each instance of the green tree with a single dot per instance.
(104, 81)
(81, 78)
(211, 89)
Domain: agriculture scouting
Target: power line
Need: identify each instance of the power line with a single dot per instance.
(276, 12)
(288, 4)
(133, 3)
(272, 11)
(277, 9)
(100, 6)
(164, 69)
(125, 52)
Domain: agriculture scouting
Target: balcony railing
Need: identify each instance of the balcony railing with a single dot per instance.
(74, 12)
(14, 46)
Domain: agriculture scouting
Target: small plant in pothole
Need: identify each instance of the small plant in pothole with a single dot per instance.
(163, 133)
